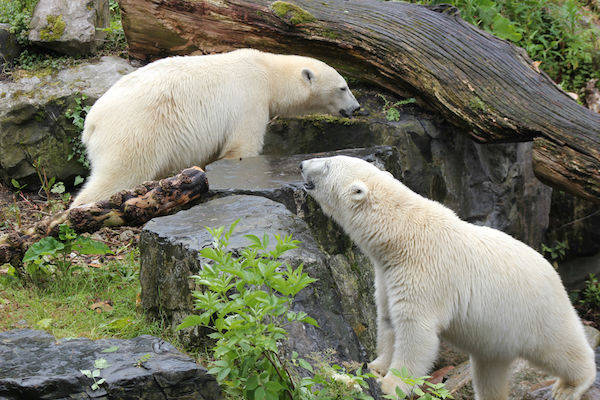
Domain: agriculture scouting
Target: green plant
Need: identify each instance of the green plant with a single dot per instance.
(17, 13)
(99, 364)
(555, 253)
(432, 390)
(246, 301)
(52, 255)
(140, 362)
(15, 207)
(591, 293)
(391, 110)
(77, 115)
(553, 32)
(115, 36)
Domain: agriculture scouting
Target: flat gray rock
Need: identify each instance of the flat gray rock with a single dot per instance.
(278, 177)
(34, 365)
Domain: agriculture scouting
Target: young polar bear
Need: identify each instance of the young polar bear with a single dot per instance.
(184, 111)
(438, 276)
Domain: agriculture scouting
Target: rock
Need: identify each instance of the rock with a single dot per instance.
(278, 178)
(126, 235)
(9, 48)
(575, 221)
(169, 246)
(36, 365)
(71, 27)
(491, 185)
(575, 272)
(33, 125)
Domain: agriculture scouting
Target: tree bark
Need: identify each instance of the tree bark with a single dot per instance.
(477, 81)
(129, 207)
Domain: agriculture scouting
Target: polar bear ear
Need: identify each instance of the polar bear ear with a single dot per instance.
(308, 75)
(358, 191)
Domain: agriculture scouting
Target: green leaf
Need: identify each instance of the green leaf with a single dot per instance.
(95, 373)
(84, 245)
(86, 372)
(94, 386)
(223, 374)
(101, 381)
(44, 247)
(78, 180)
(110, 349)
(252, 382)
(304, 364)
(190, 321)
(505, 29)
(44, 323)
(101, 363)
(259, 394)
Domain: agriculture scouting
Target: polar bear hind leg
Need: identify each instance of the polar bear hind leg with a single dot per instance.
(490, 378)
(573, 365)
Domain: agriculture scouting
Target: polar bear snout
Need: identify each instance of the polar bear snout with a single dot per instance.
(312, 169)
(350, 111)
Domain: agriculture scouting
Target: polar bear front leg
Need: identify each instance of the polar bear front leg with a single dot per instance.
(385, 332)
(247, 137)
(416, 345)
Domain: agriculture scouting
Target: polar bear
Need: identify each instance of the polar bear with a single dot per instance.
(438, 276)
(192, 110)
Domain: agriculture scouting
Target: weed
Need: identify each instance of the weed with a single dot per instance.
(591, 293)
(99, 364)
(432, 390)
(49, 254)
(391, 110)
(247, 303)
(555, 253)
(77, 116)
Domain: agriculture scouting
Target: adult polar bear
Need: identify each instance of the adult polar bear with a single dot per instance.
(436, 275)
(184, 111)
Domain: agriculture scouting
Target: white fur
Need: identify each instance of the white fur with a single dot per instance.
(184, 111)
(438, 276)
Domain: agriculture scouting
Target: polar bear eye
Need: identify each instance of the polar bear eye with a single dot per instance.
(343, 89)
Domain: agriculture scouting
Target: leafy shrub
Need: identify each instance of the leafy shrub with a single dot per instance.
(591, 294)
(17, 13)
(49, 254)
(551, 31)
(246, 301)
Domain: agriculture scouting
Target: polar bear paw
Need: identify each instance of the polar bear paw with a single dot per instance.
(391, 381)
(379, 366)
(563, 391)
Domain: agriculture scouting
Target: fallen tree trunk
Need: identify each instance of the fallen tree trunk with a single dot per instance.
(476, 80)
(129, 207)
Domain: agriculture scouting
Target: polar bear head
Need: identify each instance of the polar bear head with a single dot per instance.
(328, 90)
(304, 85)
(342, 185)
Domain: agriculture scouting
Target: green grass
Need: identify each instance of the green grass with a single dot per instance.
(62, 306)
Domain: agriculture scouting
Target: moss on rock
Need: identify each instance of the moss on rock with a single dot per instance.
(292, 13)
(54, 29)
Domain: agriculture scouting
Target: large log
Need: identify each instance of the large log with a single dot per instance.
(129, 207)
(477, 81)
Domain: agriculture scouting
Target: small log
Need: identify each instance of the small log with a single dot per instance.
(127, 208)
(483, 84)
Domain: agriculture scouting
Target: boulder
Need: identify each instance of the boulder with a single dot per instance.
(9, 47)
(491, 184)
(33, 124)
(72, 27)
(575, 272)
(35, 365)
(169, 246)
